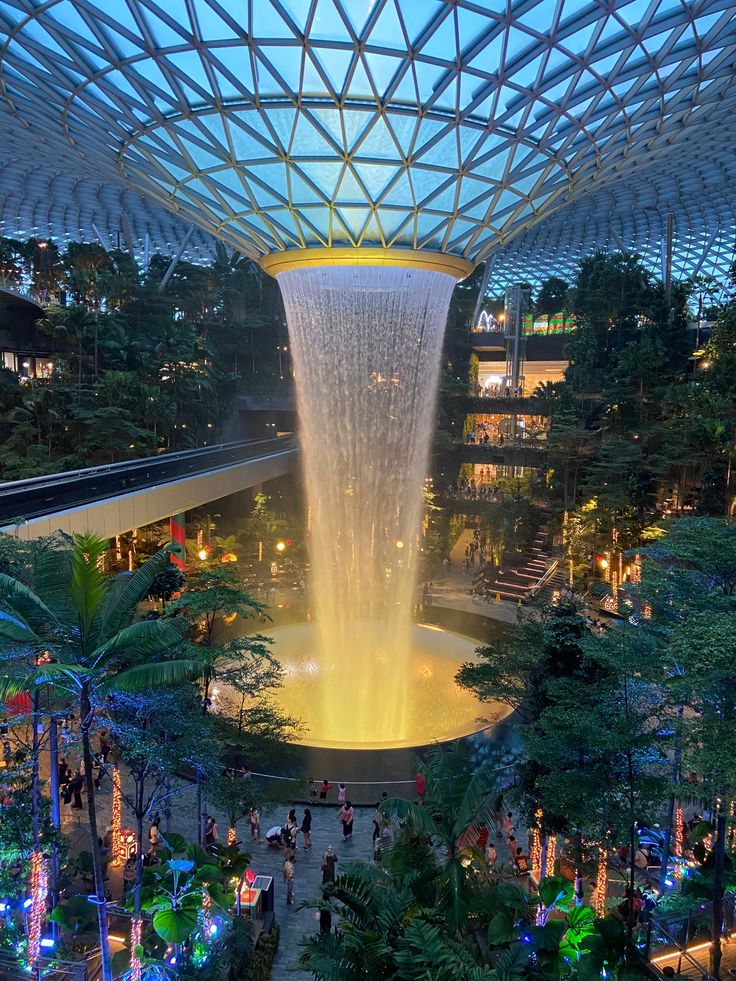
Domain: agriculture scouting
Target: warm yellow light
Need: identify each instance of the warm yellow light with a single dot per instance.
(604, 563)
(399, 544)
(280, 546)
(202, 553)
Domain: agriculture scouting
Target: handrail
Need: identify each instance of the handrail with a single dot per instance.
(545, 578)
(156, 459)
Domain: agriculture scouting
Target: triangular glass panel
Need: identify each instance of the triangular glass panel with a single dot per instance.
(375, 177)
(308, 141)
(360, 85)
(416, 17)
(441, 201)
(298, 10)
(330, 121)
(470, 190)
(378, 143)
(357, 12)
(263, 23)
(506, 199)
(427, 77)
(236, 62)
(405, 91)
(301, 191)
(383, 69)
(284, 63)
(578, 41)
(350, 191)
(273, 175)
(336, 63)
(448, 97)
(211, 26)
(354, 219)
(400, 193)
(164, 34)
(323, 173)
(372, 233)
(425, 181)
(263, 197)
(403, 126)
(245, 145)
(443, 153)
(489, 59)
(387, 29)
(319, 217)
(494, 167)
(282, 121)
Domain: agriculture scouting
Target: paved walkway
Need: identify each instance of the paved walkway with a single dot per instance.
(326, 830)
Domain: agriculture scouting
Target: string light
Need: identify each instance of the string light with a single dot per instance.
(39, 892)
(136, 929)
(206, 913)
(231, 835)
(535, 842)
(116, 819)
(679, 831)
(549, 868)
(601, 883)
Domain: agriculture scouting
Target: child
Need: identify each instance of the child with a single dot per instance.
(324, 788)
(341, 794)
(289, 878)
(255, 825)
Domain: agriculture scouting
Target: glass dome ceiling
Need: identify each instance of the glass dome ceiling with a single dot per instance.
(533, 130)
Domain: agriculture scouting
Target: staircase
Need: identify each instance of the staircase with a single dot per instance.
(516, 583)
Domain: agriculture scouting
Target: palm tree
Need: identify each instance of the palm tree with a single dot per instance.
(457, 804)
(79, 629)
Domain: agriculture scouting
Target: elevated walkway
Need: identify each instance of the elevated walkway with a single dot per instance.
(511, 454)
(481, 404)
(114, 499)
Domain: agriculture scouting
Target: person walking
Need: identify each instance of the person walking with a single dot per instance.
(421, 788)
(210, 833)
(255, 824)
(74, 788)
(307, 828)
(378, 820)
(346, 814)
(105, 746)
(329, 861)
(289, 878)
(341, 793)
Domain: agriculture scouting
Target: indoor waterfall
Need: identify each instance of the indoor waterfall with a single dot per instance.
(366, 344)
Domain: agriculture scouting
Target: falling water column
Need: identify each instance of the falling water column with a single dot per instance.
(366, 343)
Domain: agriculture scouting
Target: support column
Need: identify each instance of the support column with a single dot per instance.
(177, 529)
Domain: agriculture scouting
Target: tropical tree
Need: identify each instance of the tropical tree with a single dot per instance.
(78, 628)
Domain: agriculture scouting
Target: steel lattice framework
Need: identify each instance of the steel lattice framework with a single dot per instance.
(534, 131)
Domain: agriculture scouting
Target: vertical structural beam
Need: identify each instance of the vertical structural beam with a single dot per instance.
(487, 272)
(177, 529)
(128, 235)
(147, 252)
(175, 261)
(668, 257)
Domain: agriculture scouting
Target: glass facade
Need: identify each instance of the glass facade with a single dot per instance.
(532, 131)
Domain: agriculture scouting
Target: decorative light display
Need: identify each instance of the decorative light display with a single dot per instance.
(39, 892)
(601, 883)
(679, 831)
(535, 843)
(116, 819)
(136, 929)
(731, 823)
(231, 835)
(549, 865)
